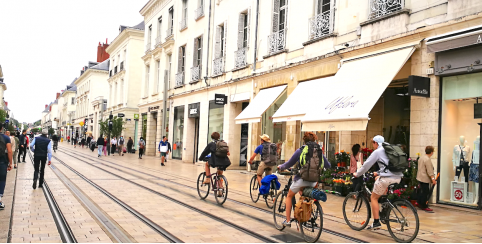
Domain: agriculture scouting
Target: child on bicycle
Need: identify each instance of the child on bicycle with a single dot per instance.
(309, 139)
(383, 179)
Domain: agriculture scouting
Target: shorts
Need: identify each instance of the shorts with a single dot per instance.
(381, 185)
(163, 154)
(264, 168)
(300, 183)
(474, 173)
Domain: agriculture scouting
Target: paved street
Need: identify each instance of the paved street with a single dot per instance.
(123, 177)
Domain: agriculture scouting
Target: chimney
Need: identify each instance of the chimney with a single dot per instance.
(46, 105)
(58, 95)
(102, 55)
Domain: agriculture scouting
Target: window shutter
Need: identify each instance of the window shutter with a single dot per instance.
(240, 31)
(276, 4)
(194, 59)
(249, 24)
(179, 63)
(217, 47)
(225, 38)
(332, 16)
(200, 55)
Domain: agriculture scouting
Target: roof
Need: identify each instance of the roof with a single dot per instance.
(140, 26)
(72, 86)
(102, 66)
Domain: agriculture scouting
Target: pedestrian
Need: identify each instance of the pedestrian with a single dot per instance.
(425, 176)
(168, 149)
(15, 152)
(100, 145)
(89, 139)
(113, 144)
(163, 149)
(41, 148)
(74, 140)
(22, 146)
(120, 146)
(5, 163)
(130, 143)
(82, 142)
(12, 141)
(105, 146)
(142, 145)
(356, 161)
(68, 139)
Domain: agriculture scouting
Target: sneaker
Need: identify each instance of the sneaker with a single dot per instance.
(34, 186)
(2, 206)
(163, 164)
(375, 226)
(427, 209)
(220, 193)
(286, 223)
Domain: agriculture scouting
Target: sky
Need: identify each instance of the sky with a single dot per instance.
(44, 45)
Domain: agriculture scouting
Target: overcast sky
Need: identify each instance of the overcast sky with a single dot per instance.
(44, 45)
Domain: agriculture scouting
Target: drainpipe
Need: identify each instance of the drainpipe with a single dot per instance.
(209, 37)
(256, 37)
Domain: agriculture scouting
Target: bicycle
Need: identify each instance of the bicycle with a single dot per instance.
(219, 184)
(311, 229)
(398, 213)
(254, 190)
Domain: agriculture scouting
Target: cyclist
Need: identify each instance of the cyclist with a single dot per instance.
(383, 179)
(310, 139)
(214, 161)
(55, 139)
(263, 167)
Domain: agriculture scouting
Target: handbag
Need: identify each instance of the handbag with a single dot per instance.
(358, 162)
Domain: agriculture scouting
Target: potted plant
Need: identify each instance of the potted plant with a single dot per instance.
(342, 158)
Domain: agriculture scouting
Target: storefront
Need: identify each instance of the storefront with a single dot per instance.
(215, 120)
(457, 63)
(178, 132)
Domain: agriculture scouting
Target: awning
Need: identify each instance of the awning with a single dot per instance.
(456, 39)
(259, 105)
(298, 102)
(359, 84)
(240, 97)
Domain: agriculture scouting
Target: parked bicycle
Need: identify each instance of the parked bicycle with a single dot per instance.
(311, 229)
(254, 190)
(219, 185)
(399, 215)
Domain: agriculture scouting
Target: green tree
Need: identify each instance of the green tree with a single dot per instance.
(51, 131)
(35, 130)
(117, 127)
(3, 116)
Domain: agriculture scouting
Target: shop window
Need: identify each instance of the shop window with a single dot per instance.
(177, 143)
(276, 131)
(460, 140)
(216, 119)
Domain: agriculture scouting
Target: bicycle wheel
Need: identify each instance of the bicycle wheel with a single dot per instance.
(202, 189)
(254, 189)
(221, 191)
(279, 211)
(403, 223)
(269, 198)
(356, 211)
(312, 228)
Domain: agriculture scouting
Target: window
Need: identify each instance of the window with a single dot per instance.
(146, 85)
(379, 8)
(322, 6)
(243, 30)
(216, 119)
(121, 92)
(276, 41)
(73, 101)
(220, 49)
(182, 60)
(200, 9)
(221, 29)
(169, 66)
(322, 23)
(184, 15)
(198, 46)
(170, 23)
(158, 76)
(178, 132)
(181, 66)
(159, 25)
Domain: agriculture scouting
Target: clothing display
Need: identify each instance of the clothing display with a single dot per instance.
(474, 173)
(460, 155)
(476, 152)
(465, 167)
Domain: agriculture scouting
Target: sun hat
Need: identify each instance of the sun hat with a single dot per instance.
(265, 137)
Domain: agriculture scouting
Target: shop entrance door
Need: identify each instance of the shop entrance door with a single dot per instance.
(193, 113)
(243, 152)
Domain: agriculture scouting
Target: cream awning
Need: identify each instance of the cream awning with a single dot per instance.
(260, 104)
(303, 98)
(359, 84)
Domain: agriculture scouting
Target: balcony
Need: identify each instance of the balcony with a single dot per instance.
(320, 25)
(277, 41)
(379, 8)
(148, 47)
(240, 58)
(179, 79)
(169, 32)
(199, 12)
(121, 68)
(183, 24)
(195, 74)
(158, 40)
(218, 66)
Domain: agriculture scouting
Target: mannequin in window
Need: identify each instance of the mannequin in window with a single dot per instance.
(474, 169)
(460, 159)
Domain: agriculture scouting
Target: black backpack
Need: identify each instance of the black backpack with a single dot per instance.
(397, 158)
(3, 146)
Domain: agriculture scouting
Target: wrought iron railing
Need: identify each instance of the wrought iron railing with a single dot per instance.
(169, 32)
(183, 24)
(195, 74)
(180, 79)
(218, 66)
(148, 47)
(379, 8)
(199, 12)
(158, 40)
(277, 41)
(320, 25)
(240, 58)
(121, 68)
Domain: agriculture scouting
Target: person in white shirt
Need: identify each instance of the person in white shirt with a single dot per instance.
(113, 144)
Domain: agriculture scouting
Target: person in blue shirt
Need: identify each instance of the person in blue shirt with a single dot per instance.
(262, 167)
(5, 165)
(163, 149)
(41, 147)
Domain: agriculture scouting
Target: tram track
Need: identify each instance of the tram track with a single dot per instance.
(195, 209)
(328, 231)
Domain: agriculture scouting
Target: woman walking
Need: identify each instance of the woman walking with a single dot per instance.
(356, 161)
(142, 145)
(105, 146)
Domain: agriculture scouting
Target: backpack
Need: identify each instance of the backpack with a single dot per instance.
(311, 162)
(222, 148)
(397, 158)
(303, 210)
(3, 146)
(268, 155)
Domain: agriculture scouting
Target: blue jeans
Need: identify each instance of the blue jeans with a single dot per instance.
(99, 149)
(3, 176)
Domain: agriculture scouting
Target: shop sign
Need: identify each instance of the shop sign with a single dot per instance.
(418, 86)
(155, 108)
(193, 110)
(458, 191)
(136, 116)
(478, 111)
(220, 99)
(341, 102)
(454, 43)
(121, 115)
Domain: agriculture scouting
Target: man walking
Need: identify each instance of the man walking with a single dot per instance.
(130, 143)
(22, 149)
(12, 142)
(41, 148)
(100, 145)
(120, 146)
(5, 163)
(163, 149)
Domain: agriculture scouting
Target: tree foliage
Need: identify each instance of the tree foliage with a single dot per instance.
(51, 131)
(117, 127)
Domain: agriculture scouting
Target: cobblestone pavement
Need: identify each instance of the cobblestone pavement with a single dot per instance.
(33, 222)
